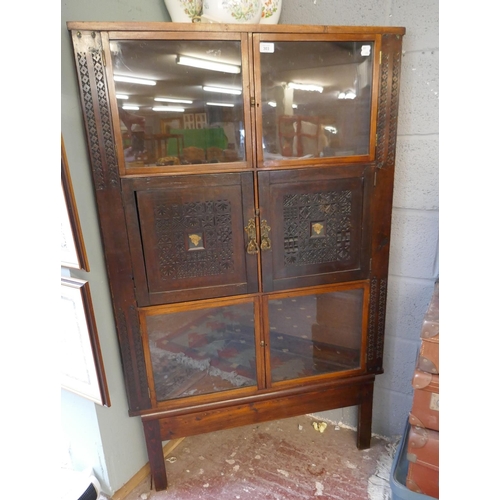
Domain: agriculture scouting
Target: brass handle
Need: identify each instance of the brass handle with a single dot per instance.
(265, 241)
(250, 229)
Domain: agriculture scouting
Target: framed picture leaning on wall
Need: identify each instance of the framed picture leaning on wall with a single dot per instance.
(82, 368)
(73, 253)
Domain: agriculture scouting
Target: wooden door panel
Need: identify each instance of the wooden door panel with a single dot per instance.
(318, 219)
(187, 237)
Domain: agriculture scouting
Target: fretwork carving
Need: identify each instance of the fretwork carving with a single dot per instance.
(91, 121)
(390, 69)
(175, 223)
(372, 318)
(99, 127)
(382, 299)
(105, 116)
(301, 211)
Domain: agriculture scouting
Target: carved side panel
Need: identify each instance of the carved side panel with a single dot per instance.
(383, 193)
(376, 324)
(101, 146)
(388, 100)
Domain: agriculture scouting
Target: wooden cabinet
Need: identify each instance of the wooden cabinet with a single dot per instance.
(248, 264)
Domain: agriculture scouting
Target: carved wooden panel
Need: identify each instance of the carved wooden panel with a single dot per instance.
(188, 237)
(318, 227)
(193, 239)
(317, 218)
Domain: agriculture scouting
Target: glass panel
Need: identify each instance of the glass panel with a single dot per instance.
(315, 334)
(202, 351)
(316, 98)
(173, 117)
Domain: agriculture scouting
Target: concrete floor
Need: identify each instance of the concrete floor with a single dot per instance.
(285, 459)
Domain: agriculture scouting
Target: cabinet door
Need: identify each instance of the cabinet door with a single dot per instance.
(315, 332)
(316, 97)
(179, 102)
(187, 236)
(202, 348)
(318, 224)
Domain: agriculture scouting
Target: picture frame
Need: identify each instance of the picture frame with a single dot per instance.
(73, 254)
(82, 367)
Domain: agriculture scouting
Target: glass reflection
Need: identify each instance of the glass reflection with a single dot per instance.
(316, 99)
(315, 334)
(202, 351)
(180, 102)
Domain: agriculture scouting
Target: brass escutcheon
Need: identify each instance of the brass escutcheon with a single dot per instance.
(265, 241)
(251, 230)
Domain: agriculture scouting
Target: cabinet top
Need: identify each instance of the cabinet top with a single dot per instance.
(220, 27)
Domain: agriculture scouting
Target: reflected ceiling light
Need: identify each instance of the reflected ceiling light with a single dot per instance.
(205, 64)
(347, 95)
(177, 101)
(331, 129)
(121, 96)
(130, 79)
(175, 109)
(273, 104)
(303, 86)
(223, 104)
(222, 90)
(130, 107)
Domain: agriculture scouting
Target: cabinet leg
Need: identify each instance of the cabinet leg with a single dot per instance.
(155, 454)
(365, 418)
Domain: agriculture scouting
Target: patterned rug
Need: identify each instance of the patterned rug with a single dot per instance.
(214, 350)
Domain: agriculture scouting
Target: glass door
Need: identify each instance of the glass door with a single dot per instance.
(316, 98)
(202, 349)
(179, 102)
(315, 333)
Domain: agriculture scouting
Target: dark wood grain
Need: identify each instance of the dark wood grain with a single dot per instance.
(143, 210)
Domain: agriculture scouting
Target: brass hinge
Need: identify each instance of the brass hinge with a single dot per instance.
(252, 101)
(380, 58)
(375, 179)
(103, 58)
(257, 212)
(370, 264)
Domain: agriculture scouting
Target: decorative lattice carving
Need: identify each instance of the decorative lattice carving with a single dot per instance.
(382, 113)
(175, 225)
(105, 169)
(390, 69)
(330, 210)
(105, 116)
(372, 318)
(391, 151)
(382, 299)
(91, 121)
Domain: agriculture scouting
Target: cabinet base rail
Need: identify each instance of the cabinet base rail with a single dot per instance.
(159, 427)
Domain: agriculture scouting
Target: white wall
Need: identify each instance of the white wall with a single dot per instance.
(414, 244)
(413, 265)
(106, 439)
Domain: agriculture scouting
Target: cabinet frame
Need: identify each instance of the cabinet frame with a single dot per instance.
(100, 119)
